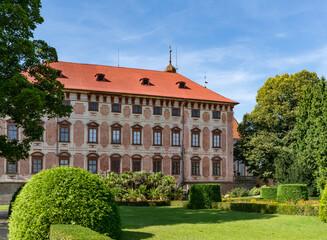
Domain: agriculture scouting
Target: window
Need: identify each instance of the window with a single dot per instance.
(176, 112)
(41, 137)
(115, 108)
(12, 131)
(195, 113)
(137, 109)
(12, 167)
(64, 131)
(92, 163)
(216, 166)
(216, 114)
(145, 81)
(116, 133)
(195, 161)
(195, 137)
(66, 102)
(176, 165)
(175, 132)
(216, 138)
(136, 163)
(93, 106)
(182, 84)
(157, 163)
(157, 136)
(93, 132)
(157, 110)
(37, 162)
(63, 161)
(115, 163)
(136, 134)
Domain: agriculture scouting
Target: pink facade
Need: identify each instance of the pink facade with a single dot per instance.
(106, 139)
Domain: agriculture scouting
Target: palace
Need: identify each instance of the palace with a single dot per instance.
(127, 119)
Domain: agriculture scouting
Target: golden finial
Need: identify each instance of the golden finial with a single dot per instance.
(170, 67)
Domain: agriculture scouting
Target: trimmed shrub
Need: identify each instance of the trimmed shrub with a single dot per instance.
(63, 195)
(74, 232)
(268, 208)
(202, 195)
(14, 196)
(144, 203)
(323, 206)
(179, 203)
(268, 193)
(292, 192)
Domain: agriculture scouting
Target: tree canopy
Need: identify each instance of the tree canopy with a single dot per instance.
(267, 133)
(26, 102)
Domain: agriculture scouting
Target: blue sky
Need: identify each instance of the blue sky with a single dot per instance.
(236, 44)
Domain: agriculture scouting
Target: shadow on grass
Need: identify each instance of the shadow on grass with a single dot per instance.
(136, 235)
(140, 217)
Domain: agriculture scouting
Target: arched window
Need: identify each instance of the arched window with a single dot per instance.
(195, 133)
(157, 163)
(37, 162)
(115, 160)
(93, 132)
(137, 134)
(92, 163)
(157, 136)
(216, 166)
(64, 131)
(176, 165)
(136, 163)
(216, 138)
(175, 136)
(195, 163)
(64, 158)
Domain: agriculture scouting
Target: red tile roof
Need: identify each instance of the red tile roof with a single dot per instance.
(127, 80)
(236, 134)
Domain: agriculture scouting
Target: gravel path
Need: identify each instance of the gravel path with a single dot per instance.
(3, 225)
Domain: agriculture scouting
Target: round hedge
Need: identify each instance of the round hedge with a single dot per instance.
(268, 193)
(292, 192)
(63, 195)
(323, 206)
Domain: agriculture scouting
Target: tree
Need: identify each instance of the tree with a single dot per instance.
(29, 89)
(267, 133)
(311, 136)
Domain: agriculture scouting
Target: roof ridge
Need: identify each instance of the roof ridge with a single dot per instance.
(91, 64)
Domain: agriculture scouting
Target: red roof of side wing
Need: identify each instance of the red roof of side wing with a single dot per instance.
(127, 80)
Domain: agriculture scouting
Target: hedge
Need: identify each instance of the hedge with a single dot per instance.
(63, 195)
(292, 192)
(74, 232)
(179, 203)
(143, 203)
(268, 208)
(202, 195)
(268, 193)
(323, 206)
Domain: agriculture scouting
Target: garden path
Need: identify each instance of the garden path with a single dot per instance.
(3, 225)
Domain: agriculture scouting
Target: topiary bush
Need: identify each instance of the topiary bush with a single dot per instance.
(63, 195)
(268, 193)
(292, 192)
(323, 206)
(14, 196)
(202, 195)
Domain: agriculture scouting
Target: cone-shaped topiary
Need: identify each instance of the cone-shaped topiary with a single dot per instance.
(63, 195)
(323, 206)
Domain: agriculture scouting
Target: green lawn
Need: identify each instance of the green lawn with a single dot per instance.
(180, 223)
(4, 207)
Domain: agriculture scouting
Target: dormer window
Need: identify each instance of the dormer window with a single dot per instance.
(100, 77)
(182, 84)
(59, 73)
(146, 82)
